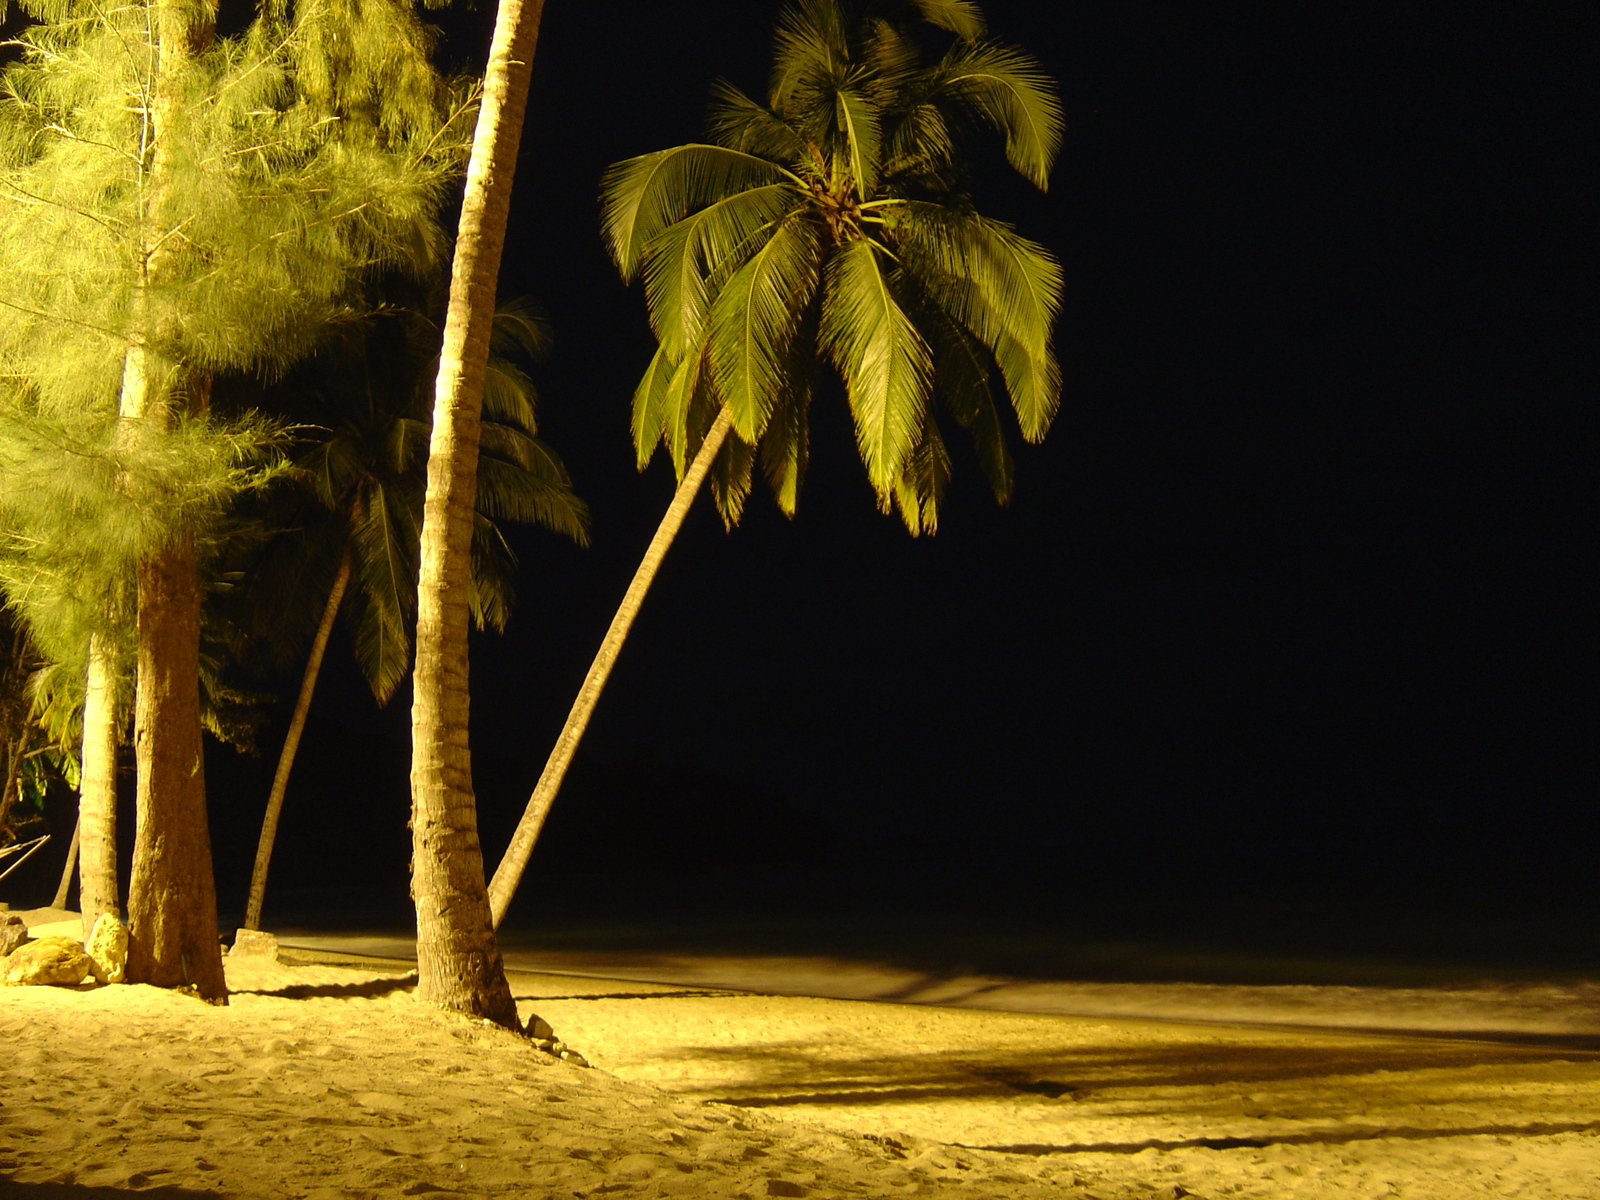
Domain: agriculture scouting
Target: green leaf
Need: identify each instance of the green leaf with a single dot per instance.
(642, 196)
(680, 261)
(884, 362)
(650, 405)
(754, 319)
(1001, 286)
(1012, 92)
(384, 541)
(856, 118)
(960, 17)
(730, 479)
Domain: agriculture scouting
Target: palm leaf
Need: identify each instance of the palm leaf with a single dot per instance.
(384, 541)
(1001, 286)
(753, 320)
(960, 17)
(920, 489)
(730, 479)
(962, 382)
(885, 364)
(856, 119)
(679, 261)
(490, 593)
(531, 487)
(811, 55)
(739, 123)
(1012, 92)
(643, 196)
(650, 405)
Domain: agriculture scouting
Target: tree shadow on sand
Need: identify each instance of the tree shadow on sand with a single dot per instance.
(367, 990)
(82, 1191)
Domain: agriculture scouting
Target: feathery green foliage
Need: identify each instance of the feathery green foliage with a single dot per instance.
(287, 163)
(835, 221)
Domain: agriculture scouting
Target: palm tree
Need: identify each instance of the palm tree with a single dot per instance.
(834, 224)
(458, 961)
(358, 518)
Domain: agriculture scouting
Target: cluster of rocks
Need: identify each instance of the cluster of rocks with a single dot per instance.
(544, 1038)
(62, 961)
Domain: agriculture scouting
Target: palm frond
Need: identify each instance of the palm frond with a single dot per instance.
(679, 262)
(856, 120)
(961, 17)
(642, 196)
(508, 394)
(961, 374)
(884, 362)
(650, 405)
(754, 318)
(1003, 287)
(1013, 93)
(785, 446)
(521, 479)
(811, 55)
(730, 479)
(384, 544)
(520, 326)
(920, 489)
(490, 593)
(740, 123)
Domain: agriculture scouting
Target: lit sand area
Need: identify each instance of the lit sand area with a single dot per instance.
(325, 1078)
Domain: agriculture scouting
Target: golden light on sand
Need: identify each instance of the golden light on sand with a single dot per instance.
(324, 1078)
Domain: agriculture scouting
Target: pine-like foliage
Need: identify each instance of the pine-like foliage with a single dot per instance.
(202, 211)
(835, 222)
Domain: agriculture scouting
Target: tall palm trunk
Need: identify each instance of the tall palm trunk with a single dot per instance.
(458, 961)
(97, 790)
(291, 745)
(509, 873)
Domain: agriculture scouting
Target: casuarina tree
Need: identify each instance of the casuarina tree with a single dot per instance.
(833, 224)
(173, 204)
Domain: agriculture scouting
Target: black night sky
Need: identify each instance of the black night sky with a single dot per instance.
(1290, 603)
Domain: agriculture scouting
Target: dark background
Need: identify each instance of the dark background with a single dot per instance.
(1290, 606)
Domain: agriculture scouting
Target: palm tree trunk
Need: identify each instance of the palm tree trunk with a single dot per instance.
(291, 744)
(509, 873)
(458, 960)
(97, 790)
(65, 886)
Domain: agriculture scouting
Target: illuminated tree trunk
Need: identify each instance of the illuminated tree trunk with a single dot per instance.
(509, 873)
(291, 744)
(65, 886)
(172, 899)
(458, 961)
(97, 790)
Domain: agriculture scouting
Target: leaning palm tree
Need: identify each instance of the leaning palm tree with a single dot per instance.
(832, 224)
(357, 518)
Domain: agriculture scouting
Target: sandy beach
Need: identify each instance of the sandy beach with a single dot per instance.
(324, 1077)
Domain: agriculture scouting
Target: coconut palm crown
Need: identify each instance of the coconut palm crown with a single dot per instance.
(834, 222)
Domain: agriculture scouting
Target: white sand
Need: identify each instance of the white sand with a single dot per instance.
(332, 1081)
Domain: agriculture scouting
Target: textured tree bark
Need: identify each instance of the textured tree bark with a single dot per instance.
(291, 744)
(65, 886)
(97, 791)
(515, 861)
(172, 900)
(458, 960)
